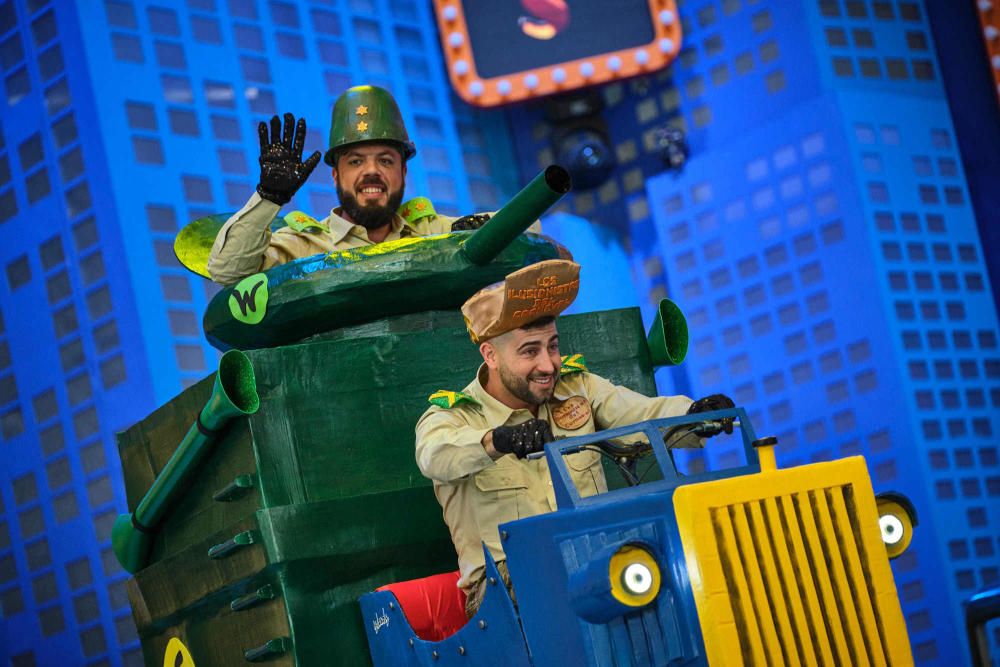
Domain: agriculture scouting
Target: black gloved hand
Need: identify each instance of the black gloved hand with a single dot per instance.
(282, 171)
(522, 439)
(714, 402)
(467, 222)
(711, 402)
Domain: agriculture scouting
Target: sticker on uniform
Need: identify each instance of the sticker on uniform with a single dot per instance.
(248, 302)
(572, 413)
(380, 621)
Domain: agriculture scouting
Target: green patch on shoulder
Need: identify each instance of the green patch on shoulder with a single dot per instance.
(416, 209)
(302, 222)
(573, 363)
(449, 399)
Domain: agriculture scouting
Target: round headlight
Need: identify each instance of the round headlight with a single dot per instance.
(892, 529)
(896, 519)
(637, 579)
(634, 576)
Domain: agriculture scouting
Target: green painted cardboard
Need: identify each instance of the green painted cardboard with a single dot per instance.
(335, 509)
(414, 274)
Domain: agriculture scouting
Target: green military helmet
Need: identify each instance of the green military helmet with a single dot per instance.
(367, 113)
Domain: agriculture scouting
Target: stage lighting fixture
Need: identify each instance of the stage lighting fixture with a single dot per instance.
(580, 138)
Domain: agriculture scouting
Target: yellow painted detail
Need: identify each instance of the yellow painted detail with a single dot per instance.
(361, 110)
(405, 245)
(628, 555)
(176, 649)
(766, 456)
(362, 126)
(788, 567)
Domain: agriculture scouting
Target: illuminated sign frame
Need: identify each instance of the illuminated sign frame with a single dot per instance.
(562, 77)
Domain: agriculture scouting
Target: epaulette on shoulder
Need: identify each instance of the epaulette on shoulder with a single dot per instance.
(416, 209)
(302, 222)
(573, 363)
(449, 399)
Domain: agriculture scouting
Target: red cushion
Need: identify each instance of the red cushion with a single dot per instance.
(434, 606)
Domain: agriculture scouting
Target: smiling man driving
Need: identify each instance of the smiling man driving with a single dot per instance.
(473, 443)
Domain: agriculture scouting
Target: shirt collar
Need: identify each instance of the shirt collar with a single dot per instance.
(341, 228)
(494, 411)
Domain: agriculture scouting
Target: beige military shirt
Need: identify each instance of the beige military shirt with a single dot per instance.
(245, 244)
(477, 493)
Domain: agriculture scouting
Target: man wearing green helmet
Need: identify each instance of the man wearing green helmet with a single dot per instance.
(369, 147)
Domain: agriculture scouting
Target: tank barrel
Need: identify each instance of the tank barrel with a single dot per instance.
(518, 214)
(234, 395)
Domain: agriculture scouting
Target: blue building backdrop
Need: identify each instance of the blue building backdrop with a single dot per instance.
(821, 239)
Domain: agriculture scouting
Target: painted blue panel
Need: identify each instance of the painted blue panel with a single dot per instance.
(605, 271)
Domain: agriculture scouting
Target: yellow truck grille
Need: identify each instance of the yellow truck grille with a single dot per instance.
(788, 568)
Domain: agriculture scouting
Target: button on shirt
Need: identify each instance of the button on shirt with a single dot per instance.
(477, 494)
(246, 245)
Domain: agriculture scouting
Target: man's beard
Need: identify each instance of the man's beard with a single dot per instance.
(520, 387)
(372, 216)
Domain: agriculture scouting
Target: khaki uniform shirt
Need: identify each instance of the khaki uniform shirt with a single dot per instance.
(477, 493)
(245, 244)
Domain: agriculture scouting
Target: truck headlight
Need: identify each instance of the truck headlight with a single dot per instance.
(634, 575)
(615, 581)
(896, 519)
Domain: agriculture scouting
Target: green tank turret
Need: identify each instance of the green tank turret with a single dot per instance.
(308, 296)
(256, 543)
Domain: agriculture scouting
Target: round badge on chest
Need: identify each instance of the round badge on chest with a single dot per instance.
(572, 413)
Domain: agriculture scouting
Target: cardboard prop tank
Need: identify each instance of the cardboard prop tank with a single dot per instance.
(265, 501)
(286, 486)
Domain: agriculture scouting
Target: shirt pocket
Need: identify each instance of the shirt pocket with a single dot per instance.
(587, 473)
(503, 496)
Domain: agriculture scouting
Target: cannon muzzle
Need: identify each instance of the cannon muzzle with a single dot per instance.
(518, 214)
(234, 395)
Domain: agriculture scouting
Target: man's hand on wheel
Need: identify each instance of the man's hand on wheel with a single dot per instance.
(714, 402)
(523, 439)
(282, 171)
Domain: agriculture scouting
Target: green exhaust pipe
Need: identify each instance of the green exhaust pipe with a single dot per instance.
(517, 215)
(668, 337)
(234, 395)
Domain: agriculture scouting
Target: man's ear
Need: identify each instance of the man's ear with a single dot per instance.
(489, 352)
(334, 172)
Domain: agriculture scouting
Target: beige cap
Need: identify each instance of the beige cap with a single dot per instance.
(541, 290)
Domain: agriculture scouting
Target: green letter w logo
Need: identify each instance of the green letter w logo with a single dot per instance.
(248, 301)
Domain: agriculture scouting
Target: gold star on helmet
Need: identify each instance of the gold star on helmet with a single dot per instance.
(362, 126)
(421, 206)
(361, 110)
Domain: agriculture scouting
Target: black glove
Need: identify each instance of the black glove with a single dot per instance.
(282, 171)
(714, 402)
(467, 222)
(522, 439)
